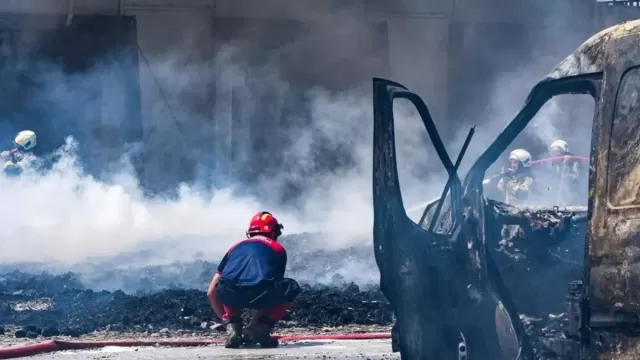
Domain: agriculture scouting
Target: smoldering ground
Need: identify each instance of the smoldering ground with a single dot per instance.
(60, 304)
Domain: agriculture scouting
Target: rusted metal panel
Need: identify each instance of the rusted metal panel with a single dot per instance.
(592, 55)
(612, 270)
(613, 229)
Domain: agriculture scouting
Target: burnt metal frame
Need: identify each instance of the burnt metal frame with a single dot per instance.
(397, 91)
(457, 285)
(541, 93)
(447, 186)
(591, 84)
(399, 244)
(391, 232)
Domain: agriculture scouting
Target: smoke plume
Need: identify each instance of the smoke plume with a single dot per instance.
(87, 202)
(311, 167)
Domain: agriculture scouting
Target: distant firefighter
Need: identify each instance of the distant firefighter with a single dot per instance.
(516, 183)
(16, 159)
(566, 173)
(251, 276)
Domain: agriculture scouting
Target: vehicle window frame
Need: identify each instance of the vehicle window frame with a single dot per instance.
(427, 214)
(611, 161)
(455, 189)
(583, 84)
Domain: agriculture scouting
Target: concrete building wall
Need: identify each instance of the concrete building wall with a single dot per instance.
(185, 35)
(417, 32)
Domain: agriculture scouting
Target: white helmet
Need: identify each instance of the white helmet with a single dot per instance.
(521, 155)
(26, 140)
(559, 145)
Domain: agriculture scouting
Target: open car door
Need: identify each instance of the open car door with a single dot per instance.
(434, 275)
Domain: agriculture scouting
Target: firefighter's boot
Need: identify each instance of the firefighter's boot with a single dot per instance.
(262, 336)
(234, 338)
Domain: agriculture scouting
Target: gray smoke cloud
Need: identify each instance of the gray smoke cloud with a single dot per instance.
(312, 169)
(528, 53)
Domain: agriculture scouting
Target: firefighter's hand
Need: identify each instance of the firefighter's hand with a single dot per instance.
(7, 154)
(506, 173)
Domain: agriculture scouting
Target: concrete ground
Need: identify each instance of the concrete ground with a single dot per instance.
(308, 350)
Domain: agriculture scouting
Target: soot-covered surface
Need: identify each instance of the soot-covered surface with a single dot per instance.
(60, 302)
(538, 253)
(537, 259)
(50, 305)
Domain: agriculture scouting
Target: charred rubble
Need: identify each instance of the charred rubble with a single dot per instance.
(61, 305)
(537, 251)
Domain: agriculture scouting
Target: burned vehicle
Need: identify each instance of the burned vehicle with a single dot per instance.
(455, 294)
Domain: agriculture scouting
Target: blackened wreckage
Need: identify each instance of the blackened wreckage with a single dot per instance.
(461, 281)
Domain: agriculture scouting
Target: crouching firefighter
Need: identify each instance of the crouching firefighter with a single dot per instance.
(251, 276)
(516, 183)
(17, 158)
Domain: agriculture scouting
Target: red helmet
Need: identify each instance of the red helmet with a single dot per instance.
(264, 223)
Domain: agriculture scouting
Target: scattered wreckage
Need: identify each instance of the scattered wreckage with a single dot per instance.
(451, 280)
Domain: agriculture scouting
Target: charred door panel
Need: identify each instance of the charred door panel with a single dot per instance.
(614, 242)
(410, 259)
(440, 296)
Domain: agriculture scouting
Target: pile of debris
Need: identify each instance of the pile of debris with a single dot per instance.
(542, 253)
(52, 305)
(59, 304)
(538, 252)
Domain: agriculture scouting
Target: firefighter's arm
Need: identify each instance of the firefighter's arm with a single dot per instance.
(216, 305)
(501, 184)
(7, 155)
(522, 190)
(12, 155)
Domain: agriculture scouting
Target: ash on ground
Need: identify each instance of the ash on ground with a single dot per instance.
(111, 300)
(61, 305)
(41, 306)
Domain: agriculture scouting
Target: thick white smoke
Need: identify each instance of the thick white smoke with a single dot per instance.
(64, 215)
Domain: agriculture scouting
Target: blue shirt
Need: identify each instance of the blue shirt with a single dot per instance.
(252, 261)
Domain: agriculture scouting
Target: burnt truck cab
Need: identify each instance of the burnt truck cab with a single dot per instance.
(441, 274)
